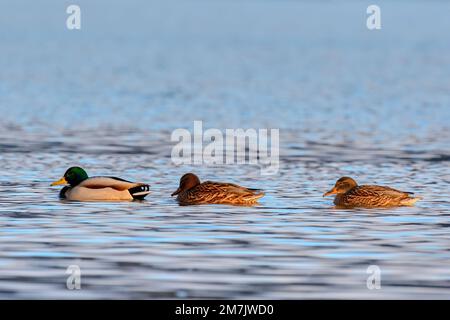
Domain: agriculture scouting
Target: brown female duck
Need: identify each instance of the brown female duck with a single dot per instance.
(191, 191)
(350, 194)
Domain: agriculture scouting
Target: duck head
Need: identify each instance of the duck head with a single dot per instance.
(73, 176)
(343, 185)
(187, 181)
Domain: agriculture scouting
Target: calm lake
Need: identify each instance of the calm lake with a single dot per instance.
(373, 105)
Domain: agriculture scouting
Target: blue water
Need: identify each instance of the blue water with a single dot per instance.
(373, 105)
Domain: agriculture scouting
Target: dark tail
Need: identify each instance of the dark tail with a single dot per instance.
(139, 192)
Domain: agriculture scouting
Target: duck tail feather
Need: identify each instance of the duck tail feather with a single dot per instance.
(410, 201)
(256, 196)
(139, 192)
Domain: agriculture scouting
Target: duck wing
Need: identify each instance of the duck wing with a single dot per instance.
(218, 192)
(109, 182)
(211, 186)
(378, 191)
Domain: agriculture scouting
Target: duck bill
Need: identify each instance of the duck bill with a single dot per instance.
(60, 181)
(176, 192)
(329, 193)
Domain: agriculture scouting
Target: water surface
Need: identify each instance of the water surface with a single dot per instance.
(370, 104)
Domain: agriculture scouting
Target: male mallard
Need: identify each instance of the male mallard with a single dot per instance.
(349, 194)
(191, 191)
(83, 188)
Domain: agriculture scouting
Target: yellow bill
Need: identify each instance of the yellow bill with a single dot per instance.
(60, 181)
(329, 193)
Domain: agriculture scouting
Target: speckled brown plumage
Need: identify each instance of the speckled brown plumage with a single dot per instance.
(191, 191)
(349, 194)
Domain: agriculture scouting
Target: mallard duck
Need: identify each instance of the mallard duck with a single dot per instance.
(350, 194)
(83, 188)
(191, 191)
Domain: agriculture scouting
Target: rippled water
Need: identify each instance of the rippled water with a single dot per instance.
(372, 105)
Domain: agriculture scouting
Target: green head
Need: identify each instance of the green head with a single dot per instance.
(73, 176)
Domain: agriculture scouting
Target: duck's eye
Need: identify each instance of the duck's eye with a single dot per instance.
(344, 186)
